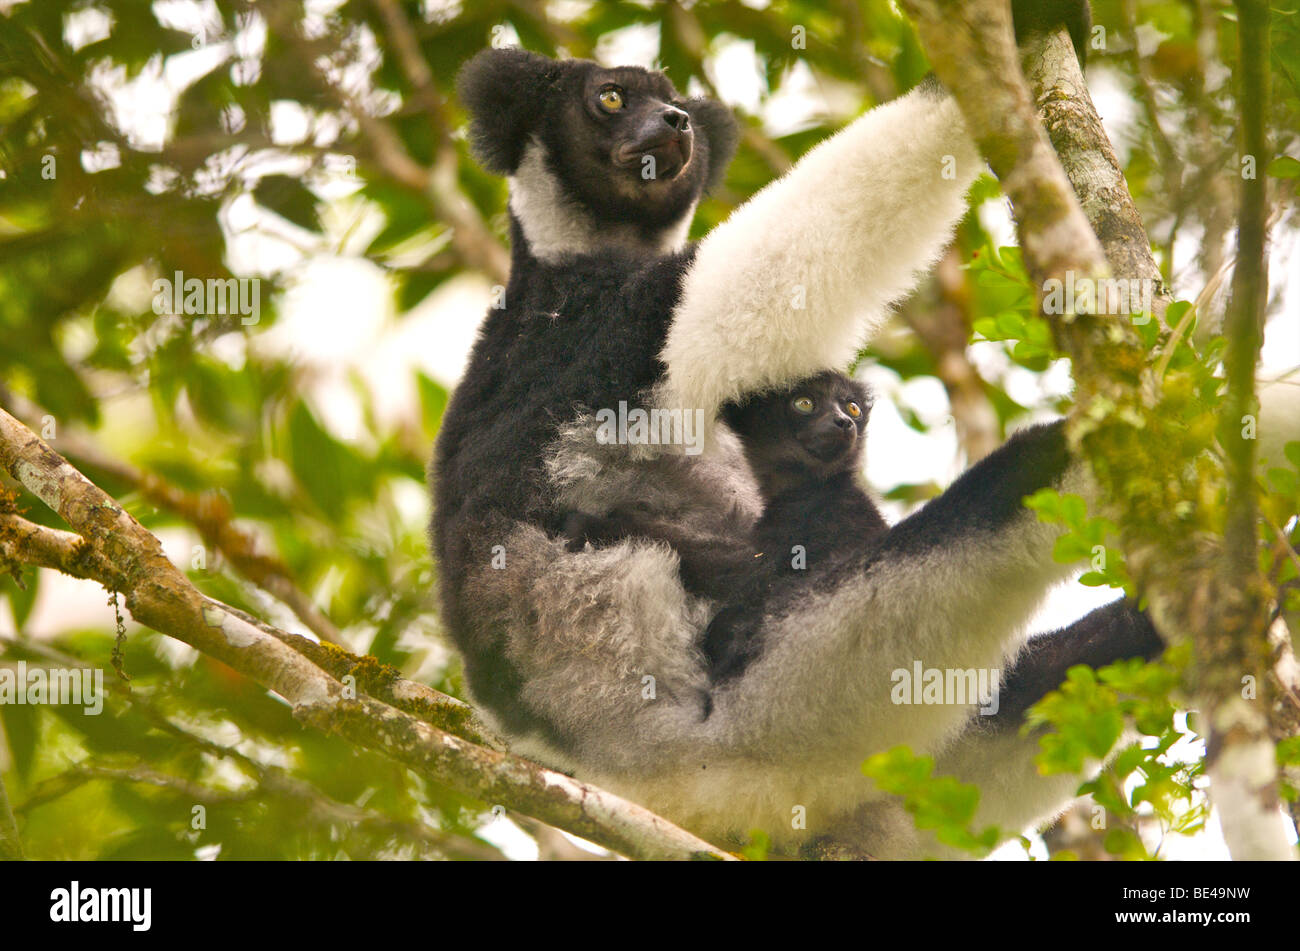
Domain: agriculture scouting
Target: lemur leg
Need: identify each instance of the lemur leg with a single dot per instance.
(1115, 632)
(993, 754)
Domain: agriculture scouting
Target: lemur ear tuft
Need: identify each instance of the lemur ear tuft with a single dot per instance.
(503, 90)
(719, 127)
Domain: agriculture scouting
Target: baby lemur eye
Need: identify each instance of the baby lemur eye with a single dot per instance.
(611, 98)
(853, 409)
(804, 404)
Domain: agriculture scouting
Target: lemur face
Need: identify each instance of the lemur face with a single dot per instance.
(593, 152)
(626, 131)
(814, 429)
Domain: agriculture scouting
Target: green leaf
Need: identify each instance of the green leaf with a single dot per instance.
(1292, 451)
(1010, 324)
(1149, 332)
(1069, 548)
(329, 470)
(433, 403)
(1124, 842)
(1047, 503)
(1176, 311)
(1284, 166)
(21, 600)
(986, 327)
(1073, 509)
(1129, 759)
(1102, 731)
(21, 723)
(417, 286)
(290, 199)
(1284, 481)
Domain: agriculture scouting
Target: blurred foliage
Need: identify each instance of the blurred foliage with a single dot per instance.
(939, 804)
(1088, 716)
(218, 140)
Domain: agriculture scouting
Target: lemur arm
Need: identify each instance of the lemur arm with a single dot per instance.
(797, 278)
(709, 566)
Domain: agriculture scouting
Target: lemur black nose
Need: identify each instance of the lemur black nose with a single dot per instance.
(679, 120)
(843, 422)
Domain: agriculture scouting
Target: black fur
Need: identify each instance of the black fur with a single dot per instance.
(815, 513)
(584, 332)
(514, 96)
(1043, 15)
(711, 566)
(806, 464)
(988, 494)
(505, 91)
(1114, 632)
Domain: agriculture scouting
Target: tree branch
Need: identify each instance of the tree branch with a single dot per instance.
(209, 513)
(944, 327)
(973, 53)
(1080, 142)
(437, 185)
(159, 596)
(272, 780)
(1192, 585)
(1242, 763)
(26, 543)
(696, 44)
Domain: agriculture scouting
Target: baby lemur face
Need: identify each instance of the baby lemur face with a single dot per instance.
(810, 431)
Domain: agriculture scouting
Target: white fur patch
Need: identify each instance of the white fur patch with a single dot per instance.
(798, 277)
(555, 225)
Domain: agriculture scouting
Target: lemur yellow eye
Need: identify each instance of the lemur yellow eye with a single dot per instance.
(611, 98)
(853, 409)
(804, 404)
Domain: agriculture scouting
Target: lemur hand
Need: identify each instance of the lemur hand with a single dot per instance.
(578, 528)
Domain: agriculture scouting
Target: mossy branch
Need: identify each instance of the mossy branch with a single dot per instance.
(1197, 585)
(125, 556)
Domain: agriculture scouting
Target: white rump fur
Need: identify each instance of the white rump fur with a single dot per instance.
(793, 731)
(800, 275)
